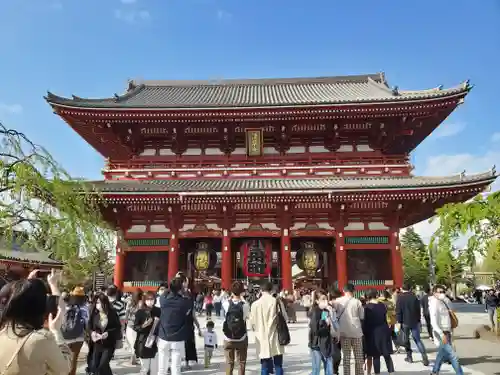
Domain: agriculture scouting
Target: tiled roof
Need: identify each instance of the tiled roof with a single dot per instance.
(369, 88)
(15, 249)
(28, 257)
(289, 184)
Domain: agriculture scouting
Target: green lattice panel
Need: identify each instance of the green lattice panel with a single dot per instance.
(367, 240)
(148, 242)
(367, 282)
(140, 284)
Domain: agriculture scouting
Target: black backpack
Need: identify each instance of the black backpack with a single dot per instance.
(235, 326)
(73, 326)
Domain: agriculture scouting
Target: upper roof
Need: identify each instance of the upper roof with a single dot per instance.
(248, 93)
(284, 185)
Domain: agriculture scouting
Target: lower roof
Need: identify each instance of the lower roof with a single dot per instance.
(28, 257)
(284, 185)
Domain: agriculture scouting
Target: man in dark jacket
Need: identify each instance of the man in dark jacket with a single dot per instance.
(173, 328)
(424, 303)
(408, 317)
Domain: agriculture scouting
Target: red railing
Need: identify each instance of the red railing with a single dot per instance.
(206, 161)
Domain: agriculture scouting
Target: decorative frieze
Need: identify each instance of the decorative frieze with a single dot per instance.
(366, 240)
(148, 242)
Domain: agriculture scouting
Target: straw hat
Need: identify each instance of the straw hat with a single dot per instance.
(78, 291)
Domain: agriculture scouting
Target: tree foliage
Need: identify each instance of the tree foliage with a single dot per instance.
(415, 258)
(478, 218)
(449, 266)
(491, 261)
(60, 214)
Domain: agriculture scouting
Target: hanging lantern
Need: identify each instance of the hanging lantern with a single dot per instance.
(309, 259)
(204, 258)
(257, 258)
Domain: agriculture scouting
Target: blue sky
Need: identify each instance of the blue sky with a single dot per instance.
(90, 48)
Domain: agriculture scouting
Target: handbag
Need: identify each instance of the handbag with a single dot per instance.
(401, 338)
(14, 356)
(453, 316)
(151, 339)
(281, 326)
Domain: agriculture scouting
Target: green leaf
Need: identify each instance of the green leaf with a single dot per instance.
(57, 212)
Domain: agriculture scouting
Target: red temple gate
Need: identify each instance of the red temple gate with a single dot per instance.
(282, 161)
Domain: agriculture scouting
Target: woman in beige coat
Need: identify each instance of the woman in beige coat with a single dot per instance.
(264, 323)
(27, 347)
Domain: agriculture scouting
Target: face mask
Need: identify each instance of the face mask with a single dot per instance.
(441, 296)
(149, 303)
(161, 291)
(98, 307)
(322, 305)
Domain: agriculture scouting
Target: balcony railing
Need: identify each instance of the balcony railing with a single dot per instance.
(214, 163)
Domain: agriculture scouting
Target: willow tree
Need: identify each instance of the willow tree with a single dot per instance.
(479, 219)
(59, 214)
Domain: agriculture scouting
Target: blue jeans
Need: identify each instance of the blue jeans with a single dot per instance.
(272, 365)
(317, 359)
(415, 333)
(491, 315)
(446, 352)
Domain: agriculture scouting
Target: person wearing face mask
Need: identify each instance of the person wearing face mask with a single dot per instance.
(323, 333)
(146, 326)
(105, 329)
(439, 311)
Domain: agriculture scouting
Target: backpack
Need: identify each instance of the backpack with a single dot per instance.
(234, 326)
(73, 326)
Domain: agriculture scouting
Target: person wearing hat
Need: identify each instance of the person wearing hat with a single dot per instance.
(76, 309)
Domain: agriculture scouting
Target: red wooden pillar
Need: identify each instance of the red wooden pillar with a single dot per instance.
(286, 261)
(226, 262)
(119, 270)
(173, 257)
(332, 268)
(396, 258)
(341, 258)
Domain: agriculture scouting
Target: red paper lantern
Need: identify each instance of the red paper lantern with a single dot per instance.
(257, 258)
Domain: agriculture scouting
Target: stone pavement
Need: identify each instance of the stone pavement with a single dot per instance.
(477, 354)
(297, 360)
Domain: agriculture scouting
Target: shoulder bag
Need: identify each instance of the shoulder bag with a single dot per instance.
(16, 353)
(281, 326)
(453, 316)
(337, 318)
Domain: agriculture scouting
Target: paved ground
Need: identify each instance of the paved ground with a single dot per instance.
(479, 357)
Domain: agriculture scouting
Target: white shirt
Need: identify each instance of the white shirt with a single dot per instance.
(440, 316)
(210, 339)
(246, 313)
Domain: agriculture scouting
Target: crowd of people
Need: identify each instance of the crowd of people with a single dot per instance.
(42, 330)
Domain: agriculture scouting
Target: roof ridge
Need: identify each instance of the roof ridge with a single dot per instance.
(362, 78)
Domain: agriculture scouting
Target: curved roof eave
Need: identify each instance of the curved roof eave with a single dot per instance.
(175, 97)
(291, 186)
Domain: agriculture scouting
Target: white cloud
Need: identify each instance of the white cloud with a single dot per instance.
(495, 137)
(448, 129)
(132, 16)
(56, 6)
(223, 15)
(12, 109)
(443, 165)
